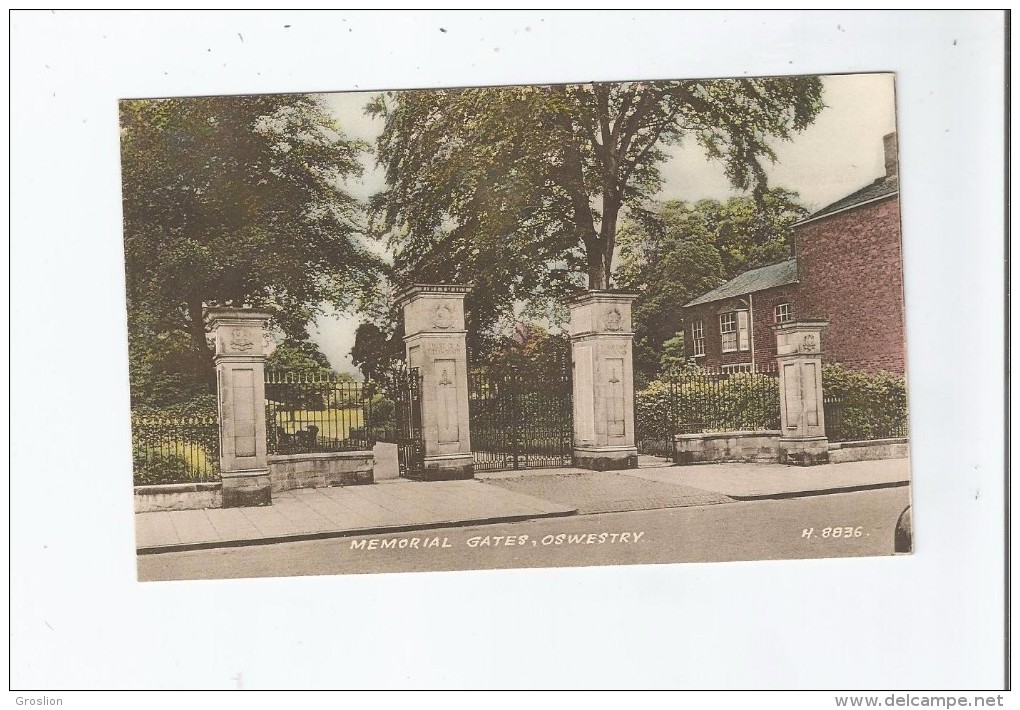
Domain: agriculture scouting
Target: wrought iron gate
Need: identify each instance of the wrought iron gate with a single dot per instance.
(404, 390)
(520, 418)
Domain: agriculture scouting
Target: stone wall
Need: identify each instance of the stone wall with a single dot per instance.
(763, 447)
(177, 496)
(847, 451)
(746, 446)
(339, 468)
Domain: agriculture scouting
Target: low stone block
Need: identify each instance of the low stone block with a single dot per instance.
(605, 460)
(804, 452)
(245, 490)
(338, 468)
(456, 472)
(877, 450)
(183, 496)
(730, 446)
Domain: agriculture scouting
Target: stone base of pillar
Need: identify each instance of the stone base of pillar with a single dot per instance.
(804, 452)
(456, 467)
(608, 458)
(246, 488)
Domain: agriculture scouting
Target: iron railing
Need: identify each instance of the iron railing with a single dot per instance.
(403, 389)
(705, 401)
(169, 449)
(317, 412)
(520, 418)
(846, 420)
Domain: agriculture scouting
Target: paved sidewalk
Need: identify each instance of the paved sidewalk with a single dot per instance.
(751, 481)
(606, 491)
(400, 505)
(656, 484)
(389, 506)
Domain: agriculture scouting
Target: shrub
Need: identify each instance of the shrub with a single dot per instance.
(178, 443)
(154, 467)
(381, 412)
(654, 411)
(201, 406)
(861, 405)
(699, 402)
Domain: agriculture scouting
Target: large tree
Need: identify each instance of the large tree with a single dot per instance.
(235, 201)
(376, 352)
(676, 250)
(521, 189)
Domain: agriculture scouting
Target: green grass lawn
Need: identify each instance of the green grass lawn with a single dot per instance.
(174, 462)
(332, 423)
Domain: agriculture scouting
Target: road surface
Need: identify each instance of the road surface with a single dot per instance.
(840, 525)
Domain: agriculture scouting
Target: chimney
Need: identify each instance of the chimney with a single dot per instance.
(889, 143)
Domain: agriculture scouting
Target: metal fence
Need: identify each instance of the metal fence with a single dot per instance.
(317, 412)
(705, 401)
(521, 418)
(174, 449)
(848, 420)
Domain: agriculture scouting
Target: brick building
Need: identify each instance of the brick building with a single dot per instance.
(847, 269)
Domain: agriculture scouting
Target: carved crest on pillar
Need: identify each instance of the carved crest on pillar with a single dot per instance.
(240, 340)
(442, 317)
(614, 319)
(809, 345)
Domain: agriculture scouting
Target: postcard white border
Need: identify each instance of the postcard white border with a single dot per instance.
(79, 619)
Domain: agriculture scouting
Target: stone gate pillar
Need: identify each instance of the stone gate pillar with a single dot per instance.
(436, 343)
(601, 344)
(802, 414)
(241, 400)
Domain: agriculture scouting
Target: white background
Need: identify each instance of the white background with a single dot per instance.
(80, 620)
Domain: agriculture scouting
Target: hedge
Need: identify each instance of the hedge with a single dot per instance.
(860, 406)
(701, 402)
(175, 444)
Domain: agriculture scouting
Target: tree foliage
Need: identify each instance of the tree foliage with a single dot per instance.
(376, 352)
(234, 201)
(863, 405)
(530, 347)
(298, 355)
(675, 251)
(520, 189)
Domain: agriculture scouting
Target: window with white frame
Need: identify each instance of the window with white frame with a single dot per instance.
(783, 313)
(698, 337)
(733, 327)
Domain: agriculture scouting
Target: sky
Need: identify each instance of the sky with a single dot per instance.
(837, 154)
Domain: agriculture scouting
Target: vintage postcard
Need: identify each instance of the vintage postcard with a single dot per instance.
(516, 326)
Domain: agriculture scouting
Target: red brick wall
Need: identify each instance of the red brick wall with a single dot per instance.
(851, 273)
(765, 303)
(763, 316)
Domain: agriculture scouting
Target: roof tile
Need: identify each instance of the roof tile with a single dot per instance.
(781, 274)
(880, 188)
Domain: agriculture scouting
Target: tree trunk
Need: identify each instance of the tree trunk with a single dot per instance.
(610, 216)
(196, 324)
(196, 328)
(596, 267)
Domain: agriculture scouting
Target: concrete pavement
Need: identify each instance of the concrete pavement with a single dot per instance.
(655, 484)
(754, 530)
(607, 491)
(751, 481)
(400, 505)
(309, 513)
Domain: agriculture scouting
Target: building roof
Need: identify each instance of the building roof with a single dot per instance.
(781, 274)
(882, 187)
